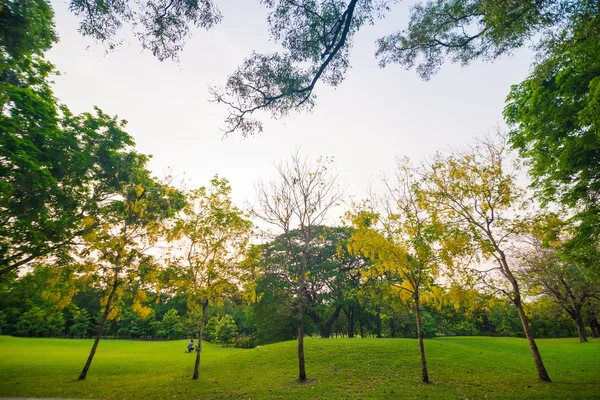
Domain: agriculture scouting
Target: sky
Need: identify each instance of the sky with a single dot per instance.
(373, 117)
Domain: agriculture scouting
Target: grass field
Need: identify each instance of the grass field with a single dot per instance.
(459, 367)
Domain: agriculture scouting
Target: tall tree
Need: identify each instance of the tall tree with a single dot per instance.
(555, 127)
(129, 225)
(403, 240)
(55, 167)
(298, 198)
(211, 235)
(476, 192)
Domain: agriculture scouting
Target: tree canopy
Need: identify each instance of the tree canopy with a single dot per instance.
(57, 169)
(316, 37)
(554, 116)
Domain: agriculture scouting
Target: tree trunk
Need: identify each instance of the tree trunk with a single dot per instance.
(350, 317)
(202, 322)
(392, 328)
(325, 331)
(577, 318)
(542, 374)
(516, 299)
(595, 327)
(424, 374)
(324, 326)
(377, 322)
(301, 370)
(100, 329)
(362, 330)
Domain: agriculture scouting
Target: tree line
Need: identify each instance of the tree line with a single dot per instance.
(374, 312)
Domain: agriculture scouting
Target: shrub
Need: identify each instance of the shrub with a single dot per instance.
(245, 342)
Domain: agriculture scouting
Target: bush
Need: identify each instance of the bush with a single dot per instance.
(465, 328)
(245, 342)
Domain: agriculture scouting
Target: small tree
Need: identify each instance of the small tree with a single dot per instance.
(210, 329)
(404, 241)
(55, 324)
(81, 324)
(211, 233)
(170, 326)
(298, 199)
(32, 322)
(226, 330)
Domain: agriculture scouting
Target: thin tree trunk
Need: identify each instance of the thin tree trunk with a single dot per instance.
(202, 322)
(100, 329)
(542, 374)
(594, 327)
(350, 318)
(377, 322)
(301, 370)
(516, 299)
(362, 330)
(424, 374)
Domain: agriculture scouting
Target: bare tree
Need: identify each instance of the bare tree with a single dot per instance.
(298, 198)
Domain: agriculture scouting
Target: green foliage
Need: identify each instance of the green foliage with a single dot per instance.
(555, 127)
(275, 322)
(2, 321)
(31, 323)
(377, 313)
(316, 37)
(161, 27)
(212, 233)
(210, 329)
(226, 330)
(27, 32)
(132, 325)
(55, 324)
(191, 323)
(465, 31)
(38, 322)
(170, 326)
(505, 320)
(81, 324)
(332, 273)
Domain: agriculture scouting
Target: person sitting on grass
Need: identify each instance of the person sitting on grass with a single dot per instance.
(190, 346)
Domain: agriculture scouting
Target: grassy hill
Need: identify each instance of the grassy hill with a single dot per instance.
(459, 367)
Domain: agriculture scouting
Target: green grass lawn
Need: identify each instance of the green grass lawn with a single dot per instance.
(459, 367)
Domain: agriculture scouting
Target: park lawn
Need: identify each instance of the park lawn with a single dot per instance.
(459, 367)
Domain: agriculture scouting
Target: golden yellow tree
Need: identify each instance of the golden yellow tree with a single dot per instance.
(210, 235)
(402, 241)
(475, 193)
